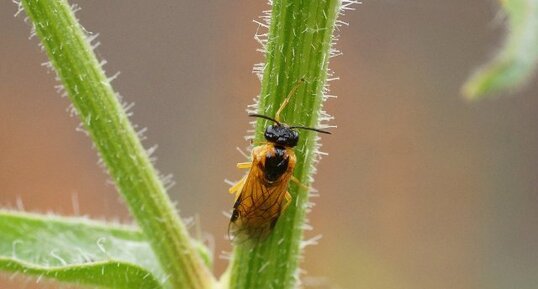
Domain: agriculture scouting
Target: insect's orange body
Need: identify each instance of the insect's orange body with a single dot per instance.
(262, 195)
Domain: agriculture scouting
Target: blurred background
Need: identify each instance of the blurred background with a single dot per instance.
(421, 189)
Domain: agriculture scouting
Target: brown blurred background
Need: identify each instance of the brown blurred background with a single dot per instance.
(421, 189)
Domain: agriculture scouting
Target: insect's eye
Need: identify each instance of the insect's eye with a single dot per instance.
(271, 134)
(293, 138)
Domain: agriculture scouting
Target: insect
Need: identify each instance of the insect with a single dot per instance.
(262, 194)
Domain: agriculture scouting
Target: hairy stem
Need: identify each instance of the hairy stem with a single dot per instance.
(299, 46)
(102, 115)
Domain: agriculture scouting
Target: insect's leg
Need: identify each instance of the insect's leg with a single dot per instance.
(287, 201)
(296, 181)
(235, 188)
(245, 165)
(257, 143)
(287, 100)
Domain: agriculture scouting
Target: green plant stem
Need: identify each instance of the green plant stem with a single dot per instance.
(116, 140)
(299, 43)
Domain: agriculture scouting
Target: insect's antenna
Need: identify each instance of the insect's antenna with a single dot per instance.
(292, 93)
(264, 117)
(311, 128)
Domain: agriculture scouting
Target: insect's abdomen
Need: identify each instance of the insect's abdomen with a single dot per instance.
(276, 163)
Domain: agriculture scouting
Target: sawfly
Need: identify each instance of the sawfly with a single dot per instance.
(262, 194)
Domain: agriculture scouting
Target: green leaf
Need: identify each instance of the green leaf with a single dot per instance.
(298, 47)
(516, 61)
(77, 250)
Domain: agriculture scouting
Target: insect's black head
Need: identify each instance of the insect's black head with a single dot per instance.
(281, 134)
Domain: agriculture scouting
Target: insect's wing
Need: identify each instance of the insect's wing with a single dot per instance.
(245, 224)
(258, 205)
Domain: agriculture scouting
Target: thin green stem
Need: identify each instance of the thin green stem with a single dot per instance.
(106, 121)
(299, 43)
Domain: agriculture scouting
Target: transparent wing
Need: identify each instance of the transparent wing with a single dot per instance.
(258, 207)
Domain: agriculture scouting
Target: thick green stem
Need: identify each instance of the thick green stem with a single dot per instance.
(299, 43)
(116, 140)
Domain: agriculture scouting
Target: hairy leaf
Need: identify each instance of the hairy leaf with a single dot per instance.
(77, 250)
